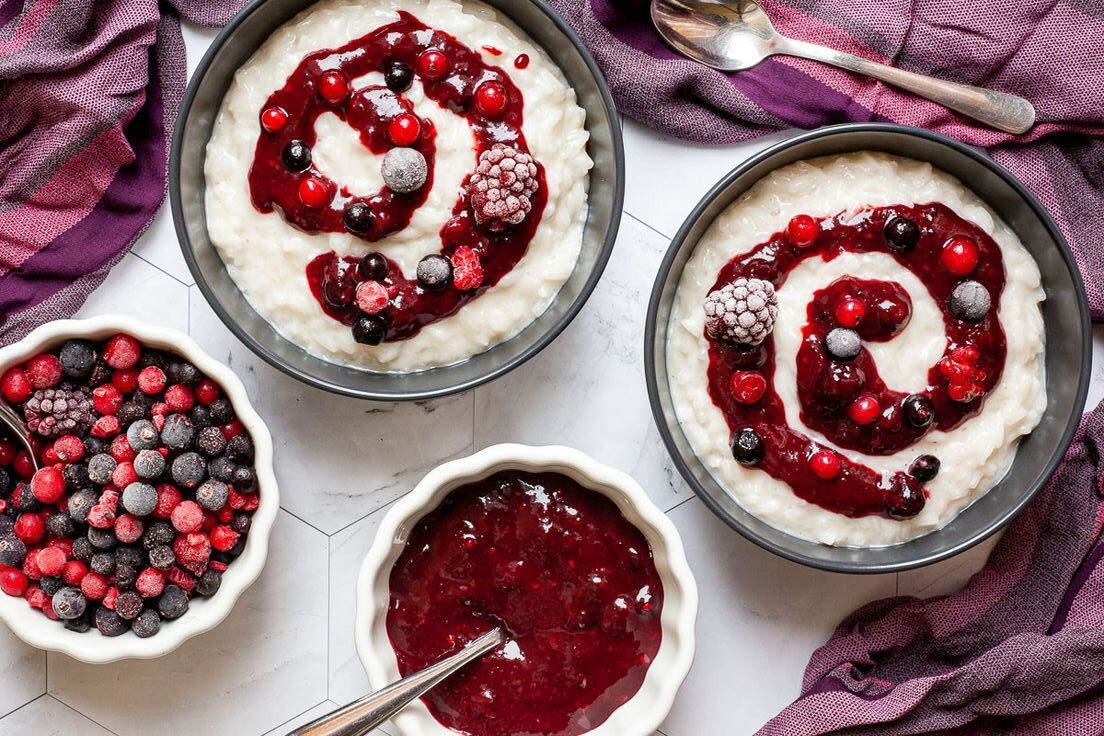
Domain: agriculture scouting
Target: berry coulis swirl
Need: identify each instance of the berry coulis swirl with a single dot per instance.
(498, 207)
(840, 391)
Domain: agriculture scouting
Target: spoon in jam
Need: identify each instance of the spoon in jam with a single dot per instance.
(361, 716)
(737, 34)
(11, 420)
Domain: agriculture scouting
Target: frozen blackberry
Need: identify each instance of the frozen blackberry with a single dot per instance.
(81, 502)
(102, 563)
(741, 312)
(404, 170)
(125, 577)
(434, 272)
(149, 464)
(181, 371)
(369, 329)
(69, 603)
(12, 550)
(296, 156)
(244, 479)
(109, 623)
(130, 412)
(178, 433)
(162, 557)
(924, 468)
(82, 549)
(189, 470)
(157, 534)
(173, 603)
(221, 411)
(142, 435)
(51, 585)
(901, 233)
(129, 604)
(139, 498)
(77, 358)
(843, 344)
(101, 538)
(75, 475)
(130, 556)
(53, 412)
(398, 76)
(147, 624)
(970, 301)
(221, 468)
(747, 447)
(241, 523)
(210, 441)
(208, 583)
(60, 525)
(212, 495)
(200, 416)
(240, 449)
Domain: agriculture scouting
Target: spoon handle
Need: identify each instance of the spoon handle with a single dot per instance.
(361, 716)
(1003, 111)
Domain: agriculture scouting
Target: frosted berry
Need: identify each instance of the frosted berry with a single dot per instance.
(187, 517)
(959, 256)
(747, 447)
(212, 495)
(434, 272)
(825, 464)
(900, 233)
(843, 344)
(189, 470)
(404, 170)
(48, 485)
(371, 297)
(502, 188)
(313, 192)
(403, 130)
(106, 399)
(398, 76)
(179, 398)
(50, 561)
(44, 371)
(77, 357)
(178, 432)
(741, 312)
(333, 87)
(803, 231)
(13, 547)
(491, 99)
(274, 119)
(15, 385)
(151, 380)
(433, 64)
(69, 603)
(13, 582)
(139, 498)
(150, 583)
(467, 269)
(748, 387)
(850, 312)
(109, 623)
(358, 218)
(296, 156)
(970, 301)
(122, 352)
(147, 624)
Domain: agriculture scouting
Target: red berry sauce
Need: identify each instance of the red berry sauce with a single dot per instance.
(828, 389)
(557, 566)
(450, 73)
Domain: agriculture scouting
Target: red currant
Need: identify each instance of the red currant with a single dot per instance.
(122, 352)
(825, 464)
(206, 392)
(313, 192)
(864, 409)
(13, 582)
(125, 380)
(50, 560)
(959, 256)
(748, 387)
(73, 572)
(803, 231)
(490, 99)
(23, 465)
(15, 385)
(274, 119)
(44, 371)
(332, 87)
(7, 453)
(850, 312)
(151, 380)
(47, 485)
(94, 586)
(404, 129)
(967, 354)
(433, 64)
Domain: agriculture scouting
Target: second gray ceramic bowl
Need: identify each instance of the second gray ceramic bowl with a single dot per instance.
(1068, 338)
(187, 189)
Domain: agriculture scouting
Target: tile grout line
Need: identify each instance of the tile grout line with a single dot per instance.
(18, 708)
(650, 227)
(300, 518)
(154, 265)
(280, 726)
(681, 503)
(329, 610)
(84, 715)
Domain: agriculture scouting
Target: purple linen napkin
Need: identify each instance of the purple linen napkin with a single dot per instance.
(1048, 51)
(89, 91)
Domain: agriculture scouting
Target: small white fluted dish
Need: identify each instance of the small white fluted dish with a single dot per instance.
(203, 613)
(641, 714)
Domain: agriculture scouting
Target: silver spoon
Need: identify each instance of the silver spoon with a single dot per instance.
(9, 418)
(361, 716)
(737, 35)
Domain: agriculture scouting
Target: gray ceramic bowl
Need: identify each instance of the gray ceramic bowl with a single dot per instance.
(232, 48)
(1068, 337)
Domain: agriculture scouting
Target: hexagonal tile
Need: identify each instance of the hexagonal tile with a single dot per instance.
(587, 388)
(264, 664)
(759, 620)
(22, 670)
(142, 291)
(47, 716)
(338, 459)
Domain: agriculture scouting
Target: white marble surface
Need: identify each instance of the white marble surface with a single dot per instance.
(286, 653)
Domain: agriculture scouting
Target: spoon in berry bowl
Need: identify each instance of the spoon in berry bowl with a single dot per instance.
(734, 35)
(11, 420)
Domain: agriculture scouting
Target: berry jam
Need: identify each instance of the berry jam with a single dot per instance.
(456, 72)
(828, 387)
(556, 565)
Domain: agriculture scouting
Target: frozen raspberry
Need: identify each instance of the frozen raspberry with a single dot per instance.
(53, 412)
(179, 578)
(467, 269)
(15, 385)
(44, 371)
(106, 427)
(192, 551)
(223, 538)
(69, 448)
(502, 187)
(212, 495)
(187, 517)
(371, 297)
(741, 312)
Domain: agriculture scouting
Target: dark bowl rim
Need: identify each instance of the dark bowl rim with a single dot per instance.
(540, 344)
(651, 378)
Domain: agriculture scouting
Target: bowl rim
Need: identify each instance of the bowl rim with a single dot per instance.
(647, 708)
(651, 328)
(92, 647)
(554, 330)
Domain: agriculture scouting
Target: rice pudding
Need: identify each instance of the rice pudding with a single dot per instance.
(856, 349)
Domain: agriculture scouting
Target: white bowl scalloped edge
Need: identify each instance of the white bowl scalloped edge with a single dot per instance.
(641, 714)
(203, 613)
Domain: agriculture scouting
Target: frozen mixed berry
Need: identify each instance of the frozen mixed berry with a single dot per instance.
(221, 468)
(843, 344)
(100, 468)
(179, 398)
(187, 517)
(900, 233)
(369, 329)
(208, 583)
(77, 358)
(173, 603)
(140, 499)
(358, 218)
(80, 503)
(502, 188)
(75, 475)
(741, 312)
(149, 464)
(970, 301)
(12, 550)
(467, 269)
(69, 603)
(161, 557)
(129, 604)
(296, 156)
(747, 447)
(122, 352)
(434, 272)
(142, 435)
(178, 433)
(110, 623)
(404, 170)
(210, 441)
(240, 449)
(15, 385)
(44, 371)
(60, 526)
(212, 495)
(221, 411)
(398, 76)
